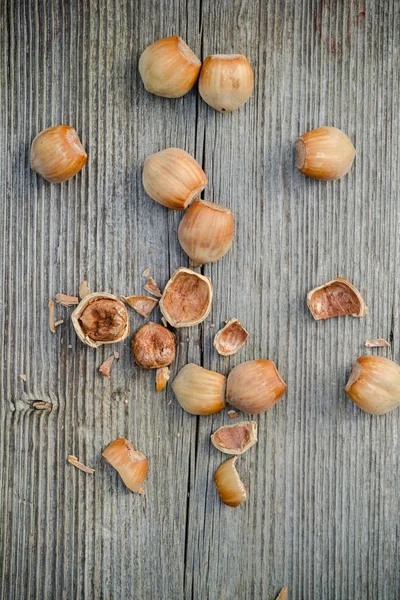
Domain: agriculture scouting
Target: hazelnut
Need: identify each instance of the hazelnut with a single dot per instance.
(374, 384)
(325, 153)
(187, 298)
(57, 153)
(199, 391)
(173, 178)
(153, 346)
(100, 318)
(206, 232)
(254, 386)
(169, 68)
(226, 81)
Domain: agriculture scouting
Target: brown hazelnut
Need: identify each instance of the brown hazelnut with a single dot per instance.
(100, 318)
(254, 386)
(153, 346)
(187, 298)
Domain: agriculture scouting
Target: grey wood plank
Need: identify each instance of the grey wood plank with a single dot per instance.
(323, 506)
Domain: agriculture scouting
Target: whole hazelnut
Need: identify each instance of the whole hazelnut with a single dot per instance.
(153, 346)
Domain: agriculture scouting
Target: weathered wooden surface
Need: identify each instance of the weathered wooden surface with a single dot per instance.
(323, 506)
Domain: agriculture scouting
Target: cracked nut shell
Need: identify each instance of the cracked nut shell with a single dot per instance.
(230, 487)
(153, 346)
(236, 438)
(336, 298)
(187, 298)
(100, 318)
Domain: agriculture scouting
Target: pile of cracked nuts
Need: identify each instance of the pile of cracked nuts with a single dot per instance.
(175, 179)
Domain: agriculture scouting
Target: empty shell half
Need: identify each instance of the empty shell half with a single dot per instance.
(187, 298)
(336, 298)
(230, 338)
(229, 485)
(100, 318)
(236, 438)
(130, 463)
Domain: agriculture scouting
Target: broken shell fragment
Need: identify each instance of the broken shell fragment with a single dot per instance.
(153, 346)
(105, 367)
(131, 464)
(152, 287)
(324, 153)
(173, 178)
(162, 377)
(229, 485)
(199, 391)
(206, 232)
(187, 298)
(141, 304)
(66, 300)
(230, 338)
(236, 438)
(254, 386)
(100, 318)
(374, 384)
(378, 343)
(336, 298)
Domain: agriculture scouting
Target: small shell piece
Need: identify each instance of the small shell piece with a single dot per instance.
(57, 153)
(100, 318)
(199, 391)
(66, 300)
(131, 464)
(236, 438)
(152, 287)
(374, 384)
(162, 377)
(83, 289)
(105, 367)
(187, 298)
(254, 386)
(173, 178)
(169, 68)
(230, 338)
(229, 485)
(378, 343)
(141, 304)
(76, 463)
(336, 298)
(206, 232)
(226, 81)
(325, 153)
(153, 346)
(282, 594)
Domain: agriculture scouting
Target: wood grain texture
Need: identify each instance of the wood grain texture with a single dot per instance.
(322, 514)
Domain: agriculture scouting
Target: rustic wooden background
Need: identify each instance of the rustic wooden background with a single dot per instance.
(322, 514)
